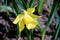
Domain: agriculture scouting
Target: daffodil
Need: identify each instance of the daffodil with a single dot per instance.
(26, 18)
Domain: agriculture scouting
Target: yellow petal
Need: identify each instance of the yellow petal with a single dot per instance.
(27, 18)
(21, 25)
(24, 12)
(30, 10)
(31, 25)
(34, 16)
(19, 17)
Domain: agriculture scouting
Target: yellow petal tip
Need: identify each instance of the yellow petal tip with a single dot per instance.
(14, 22)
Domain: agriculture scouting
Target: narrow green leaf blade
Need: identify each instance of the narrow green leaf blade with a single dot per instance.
(52, 14)
(20, 3)
(31, 4)
(57, 22)
(40, 6)
(15, 6)
(40, 27)
(55, 34)
(5, 7)
(24, 4)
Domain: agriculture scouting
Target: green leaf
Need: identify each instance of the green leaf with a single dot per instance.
(58, 20)
(15, 13)
(24, 4)
(6, 28)
(40, 6)
(51, 16)
(15, 6)
(20, 3)
(0, 2)
(40, 27)
(27, 5)
(31, 4)
(5, 7)
(55, 34)
(52, 13)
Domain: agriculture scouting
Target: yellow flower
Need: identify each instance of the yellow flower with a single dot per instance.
(26, 18)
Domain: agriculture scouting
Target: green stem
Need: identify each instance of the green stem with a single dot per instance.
(43, 35)
(40, 27)
(27, 34)
(18, 32)
(31, 34)
(41, 31)
(29, 37)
